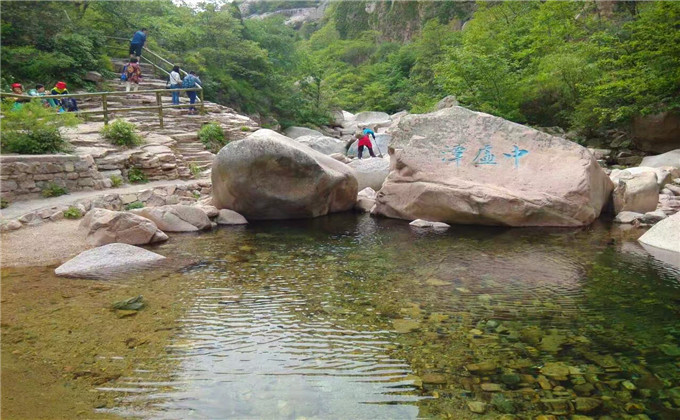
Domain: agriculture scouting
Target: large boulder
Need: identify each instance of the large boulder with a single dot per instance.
(177, 217)
(635, 192)
(657, 133)
(664, 235)
(109, 261)
(460, 166)
(295, 132)
(380, 145)
(371, 172)
(270, 176)
(372, 119)
(324, 144)
(106, 226)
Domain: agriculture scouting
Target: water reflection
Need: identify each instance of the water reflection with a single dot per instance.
(356, 317)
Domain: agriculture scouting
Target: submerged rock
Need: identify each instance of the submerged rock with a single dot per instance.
(460, 166)
(109, 261)
(420, 223)
(269, 176)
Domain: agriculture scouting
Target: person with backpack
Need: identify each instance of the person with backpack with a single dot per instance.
(67, 104)
(175, 81)
(133, 74)
(191, 81)
(364, 141)
(137, 43)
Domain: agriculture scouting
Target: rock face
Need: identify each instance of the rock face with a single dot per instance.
(269, 176)
(447, 102)
(664, 235)
(371, 172)
(635, 192)
(372, 119)
(177, 218)
(657, 133)
(671, 159)
(109, 261)
(324, 144)
(460, 166)
(295, 132)
(106, 226)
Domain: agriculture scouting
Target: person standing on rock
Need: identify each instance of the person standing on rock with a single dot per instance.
(137, 43)
(134, 75)
(364, 141)
(175, 83)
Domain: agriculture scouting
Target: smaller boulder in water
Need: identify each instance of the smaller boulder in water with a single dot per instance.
(109, 261)
(426, 224)
(230, 217)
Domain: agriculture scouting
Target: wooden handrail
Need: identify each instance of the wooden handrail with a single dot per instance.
(88, 94)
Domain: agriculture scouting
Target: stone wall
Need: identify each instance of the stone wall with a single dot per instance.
(25, 176)
(182, 193)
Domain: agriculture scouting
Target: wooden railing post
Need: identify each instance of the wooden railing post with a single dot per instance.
(106, 110)
(202, 102)
(160, 108)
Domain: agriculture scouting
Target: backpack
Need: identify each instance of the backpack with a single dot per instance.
(123, 76)
(189, 82)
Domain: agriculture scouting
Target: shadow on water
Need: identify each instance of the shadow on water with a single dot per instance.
(357, 317)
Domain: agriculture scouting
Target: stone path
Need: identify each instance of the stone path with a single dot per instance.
(20, 208)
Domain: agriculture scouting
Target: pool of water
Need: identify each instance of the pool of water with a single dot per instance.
(356, 317)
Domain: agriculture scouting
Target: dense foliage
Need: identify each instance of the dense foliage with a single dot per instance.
(589, 66)
(31, 128)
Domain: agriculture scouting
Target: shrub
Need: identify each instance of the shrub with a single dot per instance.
(134, 205)
(116, 181)
(195, 169)
(212, 137)
(244, 128)
(121, 133)
(135, 175)
(33, 129)
(53, 190)
(73, 213)
(3, 203)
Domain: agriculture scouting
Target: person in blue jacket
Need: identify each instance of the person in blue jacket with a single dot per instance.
(137, 42)
(369, 132)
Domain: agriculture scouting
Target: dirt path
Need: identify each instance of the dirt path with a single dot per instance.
(43, 245)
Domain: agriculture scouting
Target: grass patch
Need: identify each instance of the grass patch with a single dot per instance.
(121, 133)
(53, 190)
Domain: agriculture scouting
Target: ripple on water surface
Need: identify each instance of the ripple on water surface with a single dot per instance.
(345, 317)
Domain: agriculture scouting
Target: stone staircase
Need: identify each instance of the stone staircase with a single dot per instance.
(173, 152)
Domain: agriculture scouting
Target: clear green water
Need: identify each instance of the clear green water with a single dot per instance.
(355, 317)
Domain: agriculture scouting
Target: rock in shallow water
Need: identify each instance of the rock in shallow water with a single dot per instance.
(460, 166)
(269, 176)
(109, 261)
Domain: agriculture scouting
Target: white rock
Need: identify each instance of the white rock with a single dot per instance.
(295, 132)
(371, 172)
(626, 217)
(653, 217)
(109, 261)
(230, 217)
(324, 144)
(671, 159)
(637, 192)
(420, 223)
(664, 235)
